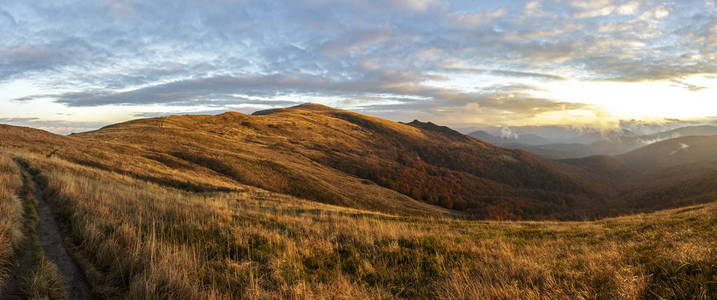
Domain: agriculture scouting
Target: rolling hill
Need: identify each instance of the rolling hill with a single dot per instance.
(348, 159)
(670, 173)
(312, 202)
(335, 156)
(673, 152)
(675, 172)
(132, 238)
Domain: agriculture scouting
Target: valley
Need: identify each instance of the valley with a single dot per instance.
(400, 149)
(313, 202)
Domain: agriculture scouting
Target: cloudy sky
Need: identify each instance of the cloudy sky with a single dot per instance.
(75, 65)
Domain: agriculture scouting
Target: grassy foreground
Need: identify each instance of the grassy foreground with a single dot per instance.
(11, 215)
(140, 240)
(18, 237)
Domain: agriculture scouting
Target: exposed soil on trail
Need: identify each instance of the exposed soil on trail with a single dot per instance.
(51, 240)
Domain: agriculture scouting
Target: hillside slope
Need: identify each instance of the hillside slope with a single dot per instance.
(201, 207)
(348, 159)
(127, 155)
(141, 240)
(673, 152)
(340, 157)
(671, 173)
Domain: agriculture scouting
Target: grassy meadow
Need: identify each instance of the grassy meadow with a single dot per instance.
(11, 213)
(141, 240)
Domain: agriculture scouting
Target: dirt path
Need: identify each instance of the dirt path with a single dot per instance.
(50, 236)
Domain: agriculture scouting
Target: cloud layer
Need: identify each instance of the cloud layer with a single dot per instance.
(458, 62)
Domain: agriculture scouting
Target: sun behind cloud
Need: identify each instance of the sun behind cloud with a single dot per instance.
(459, 63)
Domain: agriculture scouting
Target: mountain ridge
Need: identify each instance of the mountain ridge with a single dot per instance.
(344, 158)
(614, 144)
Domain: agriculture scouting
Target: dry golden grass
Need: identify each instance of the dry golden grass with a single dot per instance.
(39, 279)
(351, 160)
(44, 281)
(140, 240)
(11, 213)
(182, 210)
(218, 153)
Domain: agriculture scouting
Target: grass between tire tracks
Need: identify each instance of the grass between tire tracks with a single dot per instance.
(43, 279)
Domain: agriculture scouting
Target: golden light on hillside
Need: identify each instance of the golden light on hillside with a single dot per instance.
(415, 149)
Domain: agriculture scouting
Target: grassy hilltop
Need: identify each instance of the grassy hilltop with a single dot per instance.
(223, 222)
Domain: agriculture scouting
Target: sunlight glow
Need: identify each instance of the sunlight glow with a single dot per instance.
(693, 97)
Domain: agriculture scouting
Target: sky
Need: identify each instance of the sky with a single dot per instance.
(71, 66)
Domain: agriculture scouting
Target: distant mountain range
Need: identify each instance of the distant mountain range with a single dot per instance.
(590, 143)
(526, 139)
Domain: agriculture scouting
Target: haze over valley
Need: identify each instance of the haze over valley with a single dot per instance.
(358, 150)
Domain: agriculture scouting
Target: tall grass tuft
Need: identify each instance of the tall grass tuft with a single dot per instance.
(11, 215)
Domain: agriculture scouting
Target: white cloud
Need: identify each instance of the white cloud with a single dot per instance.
(414, 5)
(629, 8)
(591, 4)
(481, 18)
(682, 146)
(613, 27)
(152, 54)
(655, 13)
(592, 9)
(603, 11)
(534, 9)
